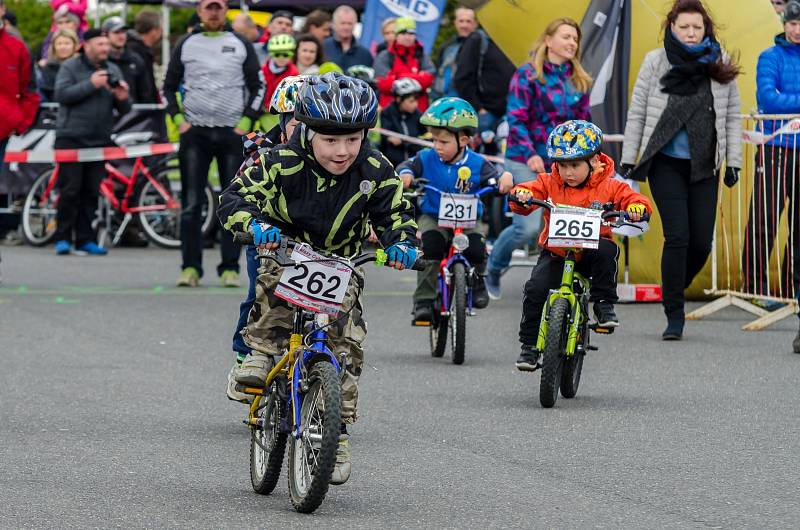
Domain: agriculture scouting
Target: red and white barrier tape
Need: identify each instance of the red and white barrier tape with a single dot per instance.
(92, 154)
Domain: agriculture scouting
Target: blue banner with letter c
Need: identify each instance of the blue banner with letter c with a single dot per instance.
(427, 13)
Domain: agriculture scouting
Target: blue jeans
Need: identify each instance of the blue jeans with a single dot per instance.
(523, 228)
(244, 309)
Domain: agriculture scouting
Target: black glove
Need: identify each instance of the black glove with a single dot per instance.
(626, 170)
(731, 176)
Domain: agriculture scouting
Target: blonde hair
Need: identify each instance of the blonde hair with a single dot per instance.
(68, 33)
(386, 23)
(580, 77)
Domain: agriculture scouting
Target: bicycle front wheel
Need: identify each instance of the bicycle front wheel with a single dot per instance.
(39, 212)
(161, 224)
(268, 443)
(312, 456)
(571, 376)
(458, 313)
(553, 357)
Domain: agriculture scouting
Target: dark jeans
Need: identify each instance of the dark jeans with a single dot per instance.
(599, 265)
(775, 182)
(688, 211)
(198, 146)
(79, 188)
(244, 309)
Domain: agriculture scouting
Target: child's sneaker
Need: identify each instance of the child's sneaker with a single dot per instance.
(341, 472)
(423, 312)
(480, 298)
(606, 317)
(528, 359)
(93, 249)
(233, 394)
(253, 371)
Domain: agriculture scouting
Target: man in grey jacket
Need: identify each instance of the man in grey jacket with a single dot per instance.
(89, 90)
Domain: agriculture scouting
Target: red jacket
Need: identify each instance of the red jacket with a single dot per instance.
(600, 186)
(272, 81)
(400, 62)
(18, 104)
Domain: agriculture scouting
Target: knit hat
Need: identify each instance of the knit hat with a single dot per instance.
(791, 12)
(405, 25)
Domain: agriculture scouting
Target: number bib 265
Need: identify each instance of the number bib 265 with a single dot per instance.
(457, 210)
(574, 228)
(318, 286)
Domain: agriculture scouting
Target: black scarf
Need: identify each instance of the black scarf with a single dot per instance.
(689, 67)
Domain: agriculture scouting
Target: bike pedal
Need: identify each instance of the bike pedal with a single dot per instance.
(249, 390)
(421, 323)
(592, 348)
(603, 331)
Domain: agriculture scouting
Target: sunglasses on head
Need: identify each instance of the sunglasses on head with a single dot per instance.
(282, 55)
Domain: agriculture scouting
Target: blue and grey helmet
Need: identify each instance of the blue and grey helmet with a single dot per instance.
(574, 140)
(335, 102)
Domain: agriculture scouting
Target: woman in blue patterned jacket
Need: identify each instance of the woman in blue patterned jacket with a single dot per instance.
(548, 90)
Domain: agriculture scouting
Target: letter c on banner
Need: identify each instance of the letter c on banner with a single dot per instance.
(419, 10)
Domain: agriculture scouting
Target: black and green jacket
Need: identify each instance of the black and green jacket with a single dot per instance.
(289, 189)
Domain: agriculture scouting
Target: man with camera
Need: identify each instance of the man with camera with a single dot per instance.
(89, 89)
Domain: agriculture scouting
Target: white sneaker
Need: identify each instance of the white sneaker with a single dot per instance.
(341, 472)
(253, 371)
(233, 394)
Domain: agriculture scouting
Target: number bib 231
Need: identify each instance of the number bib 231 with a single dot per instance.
(318, 286)
(458, 210)
(574, 228)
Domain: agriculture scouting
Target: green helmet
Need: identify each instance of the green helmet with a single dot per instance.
(453, 114)
(328, 67)
(281, 45)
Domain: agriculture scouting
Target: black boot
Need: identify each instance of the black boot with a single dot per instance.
(480, 297)
(674, 329)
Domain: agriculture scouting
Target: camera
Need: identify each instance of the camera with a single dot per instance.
(113, 80)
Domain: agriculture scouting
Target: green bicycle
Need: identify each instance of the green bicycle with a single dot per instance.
(564, 329)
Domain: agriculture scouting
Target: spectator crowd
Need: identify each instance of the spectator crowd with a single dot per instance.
(682, 126)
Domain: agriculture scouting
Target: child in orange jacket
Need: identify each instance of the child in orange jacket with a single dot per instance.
(583, 177)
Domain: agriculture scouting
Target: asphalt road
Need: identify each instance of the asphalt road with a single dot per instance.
(113, 414)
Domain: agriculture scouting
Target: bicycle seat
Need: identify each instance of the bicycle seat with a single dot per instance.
(132, 138)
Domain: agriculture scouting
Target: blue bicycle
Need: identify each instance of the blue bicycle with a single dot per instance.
(301, 395)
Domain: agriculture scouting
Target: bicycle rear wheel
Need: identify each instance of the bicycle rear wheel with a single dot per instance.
(162, 226)
(312, 457)
(268, 444)
(438, 329)
(39, 212)
(553, 357)
(458, 313)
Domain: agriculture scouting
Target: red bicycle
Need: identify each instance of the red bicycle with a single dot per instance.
(150, 199)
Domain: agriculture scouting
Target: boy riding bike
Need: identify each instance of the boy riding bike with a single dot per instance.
(256, 144)
(583, 177)
(452, 122)
(324, 188)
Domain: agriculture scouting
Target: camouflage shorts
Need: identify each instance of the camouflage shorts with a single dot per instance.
(271, 319)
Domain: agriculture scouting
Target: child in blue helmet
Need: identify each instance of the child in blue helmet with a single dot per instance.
(450, 166)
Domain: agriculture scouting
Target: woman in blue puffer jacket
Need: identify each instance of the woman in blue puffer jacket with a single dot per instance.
(778, 92)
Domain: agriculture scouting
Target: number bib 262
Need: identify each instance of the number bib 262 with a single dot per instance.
(574, 228)
(458, 211)
(318, 286)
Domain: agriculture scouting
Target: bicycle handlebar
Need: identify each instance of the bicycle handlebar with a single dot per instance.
(605, 215)
(423, 184)
(379, 257)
